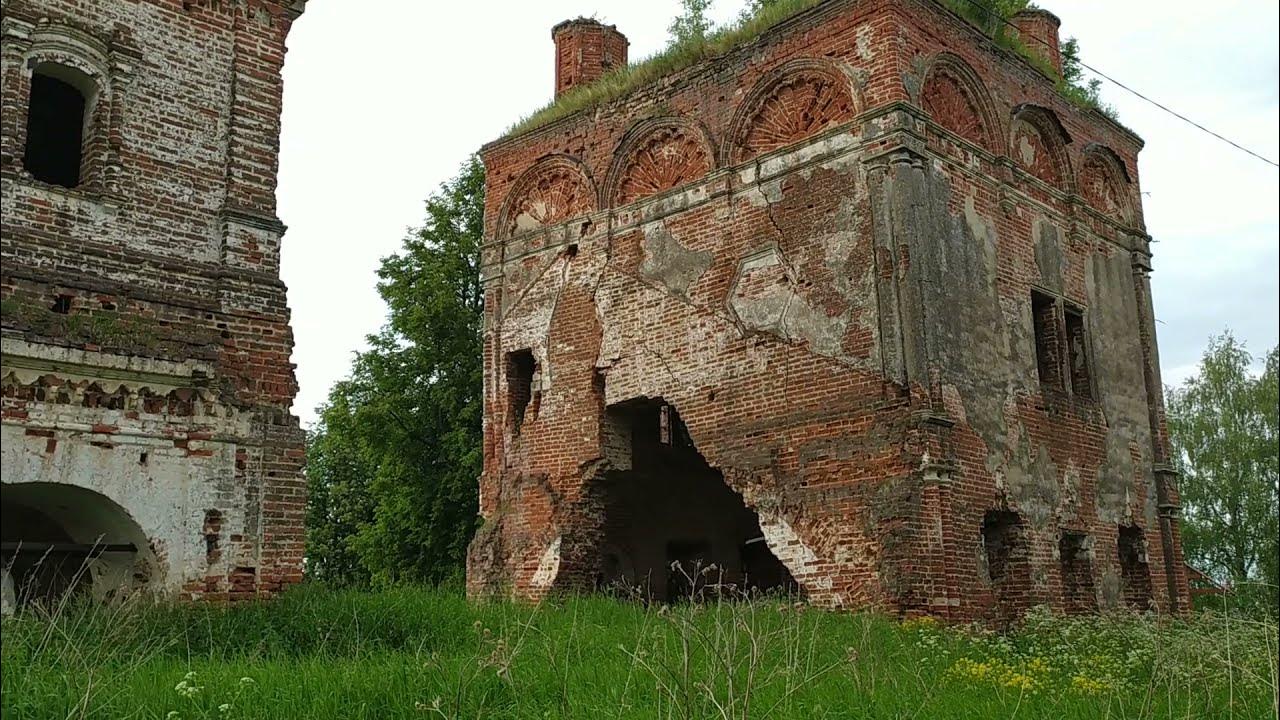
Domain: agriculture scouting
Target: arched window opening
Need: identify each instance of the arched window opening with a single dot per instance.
(57, 124)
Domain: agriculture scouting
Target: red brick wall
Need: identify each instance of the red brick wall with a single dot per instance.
(821, 249)
(585, 51)
(169, 253)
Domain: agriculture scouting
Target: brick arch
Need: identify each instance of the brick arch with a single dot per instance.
(554, 189)
(796, 100)
(63, 44)
(956, 98)
(67, 511)
(1038, 145)
(1104, 183)
(655, 155)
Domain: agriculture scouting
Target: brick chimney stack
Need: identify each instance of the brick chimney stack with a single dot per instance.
(1038, 30)
(585, 51)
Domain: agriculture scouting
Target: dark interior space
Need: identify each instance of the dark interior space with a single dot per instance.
(38, 576)
(520, 370)
(673, 529)
(55, 130)
(57, 539)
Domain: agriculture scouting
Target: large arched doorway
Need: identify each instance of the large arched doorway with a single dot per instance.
(57, 539)
(672, 528)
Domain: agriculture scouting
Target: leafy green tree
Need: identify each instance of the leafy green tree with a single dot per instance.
(395, 456)
(692, 24)
(338, 501)
(1223, 429)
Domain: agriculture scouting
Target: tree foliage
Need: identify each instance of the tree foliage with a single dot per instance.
(393, 460)
(692, 24)
(1223, 429)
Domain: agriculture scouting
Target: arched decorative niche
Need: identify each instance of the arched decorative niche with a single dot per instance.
(656, 155)
(554, 189)
(955, 97)
(1038, 145)
(1105, 185)
(798, 99)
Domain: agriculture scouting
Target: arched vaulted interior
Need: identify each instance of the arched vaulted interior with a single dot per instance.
(60, 539)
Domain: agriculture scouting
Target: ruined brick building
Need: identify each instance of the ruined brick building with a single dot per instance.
(146, 370)
(860, 307)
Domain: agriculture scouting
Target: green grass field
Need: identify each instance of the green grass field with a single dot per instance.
(423, 653)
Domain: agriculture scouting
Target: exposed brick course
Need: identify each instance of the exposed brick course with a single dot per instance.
(143, 314)
(838, 310)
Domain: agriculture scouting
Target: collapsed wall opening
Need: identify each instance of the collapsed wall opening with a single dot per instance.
(58, 539)
(1076, 567)
(1135, 573)
(1007, 560)
(673, 530)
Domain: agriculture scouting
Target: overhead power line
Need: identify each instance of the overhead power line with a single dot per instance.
(991, 12)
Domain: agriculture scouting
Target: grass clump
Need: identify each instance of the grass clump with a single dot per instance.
(417, 652)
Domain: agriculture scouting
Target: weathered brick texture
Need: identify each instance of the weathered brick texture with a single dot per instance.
(146, 338)
(807, 268)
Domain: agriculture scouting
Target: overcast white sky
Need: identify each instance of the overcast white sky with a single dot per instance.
(384, 99)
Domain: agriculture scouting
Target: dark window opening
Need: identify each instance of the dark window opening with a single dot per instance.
(55, 129)
(673, 530)
(1135, 573)
(212, 533)
(1008, 564)
(61, 304)
(1077, 573)
(1077, 353)
(520, 371)
(1044, 320)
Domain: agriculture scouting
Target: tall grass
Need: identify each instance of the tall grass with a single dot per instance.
(417, 652)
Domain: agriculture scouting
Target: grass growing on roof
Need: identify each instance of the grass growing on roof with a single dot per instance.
(674, 58)
(749, 26)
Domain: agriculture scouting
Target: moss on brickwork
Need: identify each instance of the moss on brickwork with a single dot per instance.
(104, 328)
(682, 55)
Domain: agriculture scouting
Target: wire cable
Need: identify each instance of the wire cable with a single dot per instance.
(991, 12)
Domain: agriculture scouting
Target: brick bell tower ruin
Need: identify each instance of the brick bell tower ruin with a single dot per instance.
(147, 381)
(859, 308)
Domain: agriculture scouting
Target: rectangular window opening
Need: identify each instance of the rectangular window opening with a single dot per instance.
(1077, 572)
(55, 127)
(520, 371)
(1008, 565)
(1044, 321)
(1135, 573)
(1077, 353)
